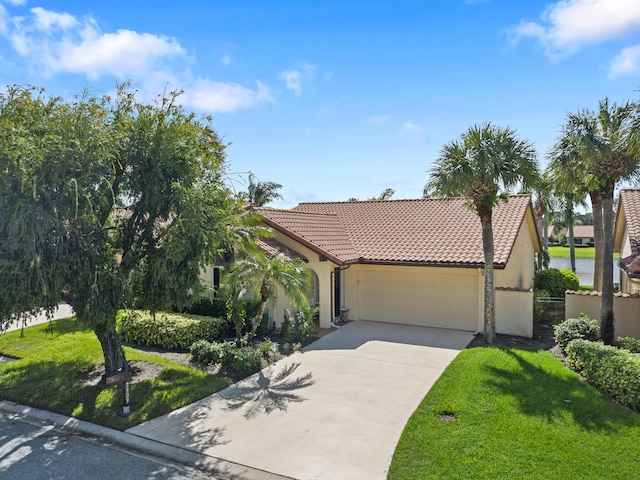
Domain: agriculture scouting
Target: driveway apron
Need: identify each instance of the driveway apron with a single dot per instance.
(333, 411)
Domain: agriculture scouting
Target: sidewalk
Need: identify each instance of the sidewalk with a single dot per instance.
(64, 310)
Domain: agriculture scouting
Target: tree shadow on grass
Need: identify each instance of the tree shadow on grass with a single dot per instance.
(268, 391)
(550, 394)
(56, 386)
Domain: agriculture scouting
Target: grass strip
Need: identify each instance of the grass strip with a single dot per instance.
(514, 413)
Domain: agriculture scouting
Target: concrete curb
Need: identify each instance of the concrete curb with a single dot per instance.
(221, 468)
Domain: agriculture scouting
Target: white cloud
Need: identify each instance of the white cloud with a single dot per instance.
(568, 25)
(412, 130)
(58, 43)
(378, 120)
(627, 62)
(54, 42)
(45, 20)
(294, 79)
(225, 97)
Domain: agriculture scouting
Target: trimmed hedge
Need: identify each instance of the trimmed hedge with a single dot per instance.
(172, 331)
(629, 343)
(576, 328)
(614, 371)
(556, 281)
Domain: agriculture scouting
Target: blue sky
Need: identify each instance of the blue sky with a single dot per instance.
(338, 99)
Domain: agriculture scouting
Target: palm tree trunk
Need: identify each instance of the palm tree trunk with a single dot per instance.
(489, 293)
(264, 298)
(598, 238)
(572, 240)
(606, 313)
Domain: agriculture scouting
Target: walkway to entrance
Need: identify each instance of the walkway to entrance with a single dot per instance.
(334, 411)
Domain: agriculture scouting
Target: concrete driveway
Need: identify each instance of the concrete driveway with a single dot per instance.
(334, 411)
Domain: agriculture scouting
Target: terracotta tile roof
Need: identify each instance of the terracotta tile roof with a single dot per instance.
(630, 203)
(582, 231)
(275, 248)
(422, 231)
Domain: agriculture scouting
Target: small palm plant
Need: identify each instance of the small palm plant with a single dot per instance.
(256, 272)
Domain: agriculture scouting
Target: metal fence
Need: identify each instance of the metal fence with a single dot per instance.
(548, 309)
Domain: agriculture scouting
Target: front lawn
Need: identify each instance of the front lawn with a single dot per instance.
(515, 413)
(54, 360)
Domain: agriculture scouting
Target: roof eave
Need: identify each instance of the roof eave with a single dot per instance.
(405, 263)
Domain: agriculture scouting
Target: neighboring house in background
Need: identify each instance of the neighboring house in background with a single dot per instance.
(417, 262)
(582, 234)
(627, 240)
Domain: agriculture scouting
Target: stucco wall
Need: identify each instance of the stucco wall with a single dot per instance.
(519, 270)
(626, 310)
(321, 268)
(514, 312)
(439, 297)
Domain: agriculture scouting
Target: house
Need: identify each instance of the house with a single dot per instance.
(582, 234)
(417, 262)
(627, 240)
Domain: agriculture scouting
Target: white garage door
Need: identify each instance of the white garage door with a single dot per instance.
(435, 297)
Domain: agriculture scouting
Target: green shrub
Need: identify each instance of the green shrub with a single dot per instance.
(269, 350)
(236, 362)
(299, 328)
(628, 343)
(168, 330)
(556, 281)
(576, 328)
(240, 362)
(206, 353)
(614, 371)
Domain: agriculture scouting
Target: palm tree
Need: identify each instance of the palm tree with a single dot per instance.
(542, 210)
(568, 201)
(483, 164)
(259, 273)
(594, 153)
(260, 193)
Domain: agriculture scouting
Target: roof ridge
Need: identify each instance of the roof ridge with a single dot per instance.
(397, 200)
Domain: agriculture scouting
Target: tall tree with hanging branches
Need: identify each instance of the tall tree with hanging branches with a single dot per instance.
(105, 200)
(483, 164)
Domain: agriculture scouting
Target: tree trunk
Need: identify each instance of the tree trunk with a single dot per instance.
(598, 239)
(489, 293)
(114, 358)
(606, 313)
(264, 298)
(572, 240)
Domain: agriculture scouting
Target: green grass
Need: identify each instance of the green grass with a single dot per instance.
(519, 414)
(52, 357)
(581, 252)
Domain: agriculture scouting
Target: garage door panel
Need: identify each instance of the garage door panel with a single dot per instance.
(414, 298)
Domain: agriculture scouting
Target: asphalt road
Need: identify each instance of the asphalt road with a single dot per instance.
(34, 451)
